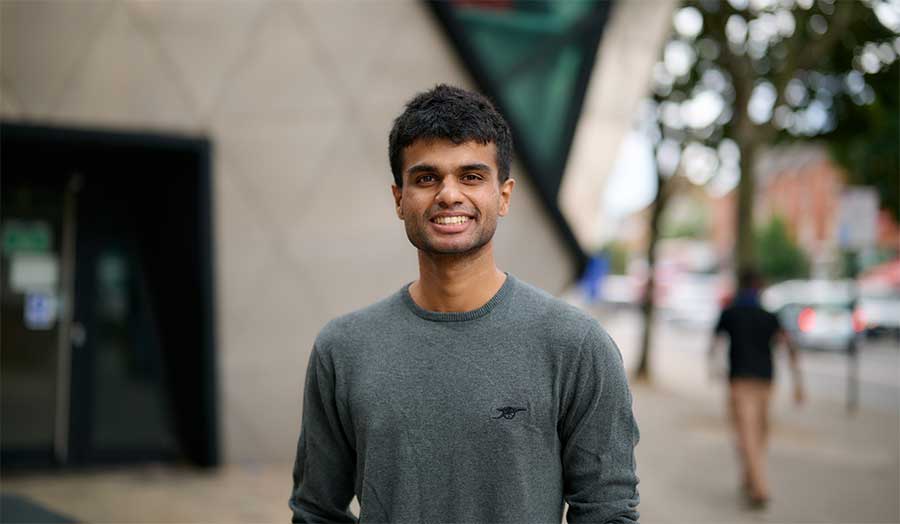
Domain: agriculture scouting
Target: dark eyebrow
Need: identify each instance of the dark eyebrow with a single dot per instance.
(475, 167)
(421, 168)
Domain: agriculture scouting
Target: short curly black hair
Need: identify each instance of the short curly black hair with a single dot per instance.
(750, 278)
(454, 114)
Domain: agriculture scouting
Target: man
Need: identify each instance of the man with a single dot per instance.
(752, 332)
(468, 395)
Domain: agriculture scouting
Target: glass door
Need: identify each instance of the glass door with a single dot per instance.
(122, 409)
(107, 350)
(37, 230)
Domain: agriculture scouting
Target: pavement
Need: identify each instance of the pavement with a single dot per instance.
(826, 465)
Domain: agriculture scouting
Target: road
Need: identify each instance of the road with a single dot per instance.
(680, 360)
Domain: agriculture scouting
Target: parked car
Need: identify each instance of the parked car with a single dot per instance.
(817, 314)
(879, 291)
(880, 314)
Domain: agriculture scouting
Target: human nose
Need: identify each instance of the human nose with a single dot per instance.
(449, 193)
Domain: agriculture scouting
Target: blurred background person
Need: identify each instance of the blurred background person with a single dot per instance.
(752, 332)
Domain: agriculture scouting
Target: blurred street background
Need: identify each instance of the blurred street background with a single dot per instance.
(192, 189)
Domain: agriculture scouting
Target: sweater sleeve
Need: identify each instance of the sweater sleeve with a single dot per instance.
(325, 465)
(598, 435)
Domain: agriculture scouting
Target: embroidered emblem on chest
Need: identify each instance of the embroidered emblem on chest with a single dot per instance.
(508, 412)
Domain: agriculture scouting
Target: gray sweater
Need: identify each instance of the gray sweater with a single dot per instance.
(491, 415)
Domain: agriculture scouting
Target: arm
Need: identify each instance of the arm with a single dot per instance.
(715, 345)
(794, 359)
(325, 464)
(598, 435)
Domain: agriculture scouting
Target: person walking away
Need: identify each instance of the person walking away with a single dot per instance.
(752, 332)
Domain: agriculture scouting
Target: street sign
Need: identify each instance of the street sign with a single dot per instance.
(26, 236)
(33, 272)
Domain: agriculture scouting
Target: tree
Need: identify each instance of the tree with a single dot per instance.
(780, 258)
(867, 139)
(739, 75)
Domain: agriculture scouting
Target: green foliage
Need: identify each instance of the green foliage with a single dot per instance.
(685, 218)
(867, 143)
(866, 139)
(617, 254)
(819, 69)
(780, 258)
(684, 229)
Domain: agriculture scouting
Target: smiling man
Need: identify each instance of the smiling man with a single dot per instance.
(468, 395)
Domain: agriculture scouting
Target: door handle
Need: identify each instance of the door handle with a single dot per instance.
(77, 334)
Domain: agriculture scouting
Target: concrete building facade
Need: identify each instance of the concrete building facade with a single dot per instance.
(297, 99)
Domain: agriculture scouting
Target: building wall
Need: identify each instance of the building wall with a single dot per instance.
(297, 98)
(621, 79)
(803, 186)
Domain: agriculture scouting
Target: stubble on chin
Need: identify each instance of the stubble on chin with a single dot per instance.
(419, 239)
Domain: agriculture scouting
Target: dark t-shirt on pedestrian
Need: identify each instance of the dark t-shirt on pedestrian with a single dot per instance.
(752, 332)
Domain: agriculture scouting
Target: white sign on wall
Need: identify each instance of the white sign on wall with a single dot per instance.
(858, 218)
(31, 272)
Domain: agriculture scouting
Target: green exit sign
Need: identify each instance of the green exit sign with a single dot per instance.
(26, 236)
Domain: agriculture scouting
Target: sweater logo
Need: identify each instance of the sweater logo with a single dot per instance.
(508, 412)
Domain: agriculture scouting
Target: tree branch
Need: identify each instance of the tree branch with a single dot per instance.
(814, 53)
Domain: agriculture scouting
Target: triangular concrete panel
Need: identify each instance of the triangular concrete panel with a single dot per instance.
(281, 78)
(358, 29)
(43, 44)
(244, 241)
(204, 40)
(415, 52)
(10, 107)
(124, 81)
(279, 169)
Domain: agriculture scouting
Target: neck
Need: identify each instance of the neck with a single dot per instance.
(746, 297)
(456, 282)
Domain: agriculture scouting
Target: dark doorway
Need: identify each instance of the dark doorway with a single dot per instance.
(107, 306)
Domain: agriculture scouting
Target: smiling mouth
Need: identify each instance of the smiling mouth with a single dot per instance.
(450, 220)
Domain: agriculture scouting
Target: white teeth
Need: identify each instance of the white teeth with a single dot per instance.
(451, 220)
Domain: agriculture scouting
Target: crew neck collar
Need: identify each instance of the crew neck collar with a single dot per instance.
(458, 316)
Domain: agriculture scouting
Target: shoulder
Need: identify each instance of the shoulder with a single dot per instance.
(566, 325)
(350, 329)
(581, 345)
(537, 304)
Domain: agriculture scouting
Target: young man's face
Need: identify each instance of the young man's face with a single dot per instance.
(451, 198)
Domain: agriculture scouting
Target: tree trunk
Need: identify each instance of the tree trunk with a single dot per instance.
(746, 250)
(747, 135)
(648, 307)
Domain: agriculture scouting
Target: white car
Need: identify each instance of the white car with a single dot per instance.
(880, 314)
(817, 314)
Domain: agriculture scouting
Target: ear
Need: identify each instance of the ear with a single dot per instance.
(398, 194)
(505, 193)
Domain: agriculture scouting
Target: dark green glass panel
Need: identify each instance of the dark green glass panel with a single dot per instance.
(533, 53)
